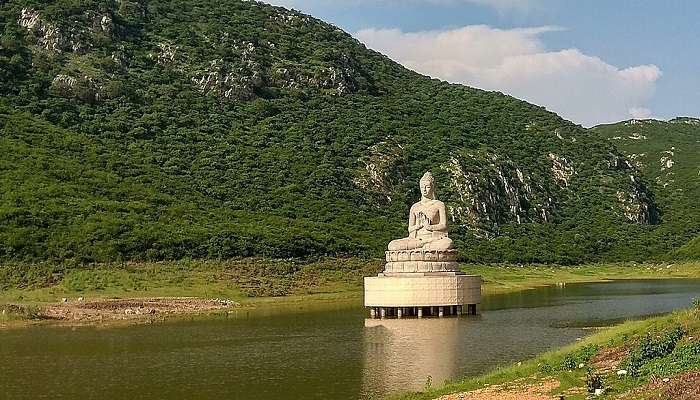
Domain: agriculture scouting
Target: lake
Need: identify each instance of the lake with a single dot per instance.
(329, 352)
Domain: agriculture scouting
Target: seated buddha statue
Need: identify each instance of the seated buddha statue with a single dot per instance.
(427, 222)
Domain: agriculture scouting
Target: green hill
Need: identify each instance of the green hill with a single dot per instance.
(690, 251)
(668, 156)
(164, 130)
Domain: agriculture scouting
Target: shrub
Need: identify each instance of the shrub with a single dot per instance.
(651, 348)
(582, 356)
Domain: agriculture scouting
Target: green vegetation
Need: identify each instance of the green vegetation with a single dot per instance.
(668, 156)
(690, 251)
(254, 280)
(147, 131)
(12, 313)
(651, 349)
(661, 347)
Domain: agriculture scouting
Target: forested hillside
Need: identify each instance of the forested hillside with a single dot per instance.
(668, 156)
(215, 129)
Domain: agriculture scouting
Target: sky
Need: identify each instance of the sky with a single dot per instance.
(590, 61)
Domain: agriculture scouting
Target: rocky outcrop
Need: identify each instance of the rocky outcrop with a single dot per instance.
(167, 54)
(685, 120)
(667, 159)
(619, 162)
(562, 169)
(380, 165)
(491, 190)
(51, 38)
(635, 204)
(636, 161)
(337, 79)
(247, 74)
(228, 81)
(48, 36)
(84, 88)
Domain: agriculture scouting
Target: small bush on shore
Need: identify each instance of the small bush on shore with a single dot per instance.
(651, 348)
(582, 356)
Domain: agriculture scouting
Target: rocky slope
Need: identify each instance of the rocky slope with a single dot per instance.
(162, 130)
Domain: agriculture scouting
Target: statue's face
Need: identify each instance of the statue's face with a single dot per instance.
(426, 188)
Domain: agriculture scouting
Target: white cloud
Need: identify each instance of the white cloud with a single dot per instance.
(580, 87)
(640, 113)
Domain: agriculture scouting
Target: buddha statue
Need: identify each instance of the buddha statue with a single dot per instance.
(427, 222)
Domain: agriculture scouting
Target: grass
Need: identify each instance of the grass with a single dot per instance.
(572, 365)
(244, 280)
(252, 279)
(263, 282)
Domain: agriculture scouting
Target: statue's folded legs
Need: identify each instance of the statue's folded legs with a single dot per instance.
(444, 243)
(440, 244)
(404, 244)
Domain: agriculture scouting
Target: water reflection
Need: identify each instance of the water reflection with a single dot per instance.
(405, 352)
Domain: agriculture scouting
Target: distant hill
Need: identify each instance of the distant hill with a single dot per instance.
(668, 156)
(216, 129)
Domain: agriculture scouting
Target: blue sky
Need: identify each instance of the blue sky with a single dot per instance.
(592, 61)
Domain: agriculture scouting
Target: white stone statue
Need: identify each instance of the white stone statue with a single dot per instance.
(427, 222)
(422, 273)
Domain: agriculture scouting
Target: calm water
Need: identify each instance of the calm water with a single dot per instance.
(332, 353)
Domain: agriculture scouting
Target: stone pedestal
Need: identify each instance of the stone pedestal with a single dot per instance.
(419, 283)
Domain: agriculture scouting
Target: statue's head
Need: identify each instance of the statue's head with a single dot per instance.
(427, 185)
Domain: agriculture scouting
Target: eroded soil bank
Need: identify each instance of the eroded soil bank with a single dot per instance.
(137, 310)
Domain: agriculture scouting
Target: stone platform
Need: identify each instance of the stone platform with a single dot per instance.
(419, 294)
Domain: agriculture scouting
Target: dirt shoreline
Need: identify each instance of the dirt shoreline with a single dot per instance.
(107, 313)
(115, 311)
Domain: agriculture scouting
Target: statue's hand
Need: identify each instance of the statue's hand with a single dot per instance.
(428, 227)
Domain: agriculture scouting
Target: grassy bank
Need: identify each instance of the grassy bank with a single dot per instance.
(254, 281)
(504, 278)
(243, 280)
(660, 358)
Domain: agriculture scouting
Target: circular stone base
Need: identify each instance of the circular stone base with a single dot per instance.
(421, 266)
(444, 289)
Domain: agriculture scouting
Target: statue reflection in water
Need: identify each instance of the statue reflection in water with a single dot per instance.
(407, 353)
